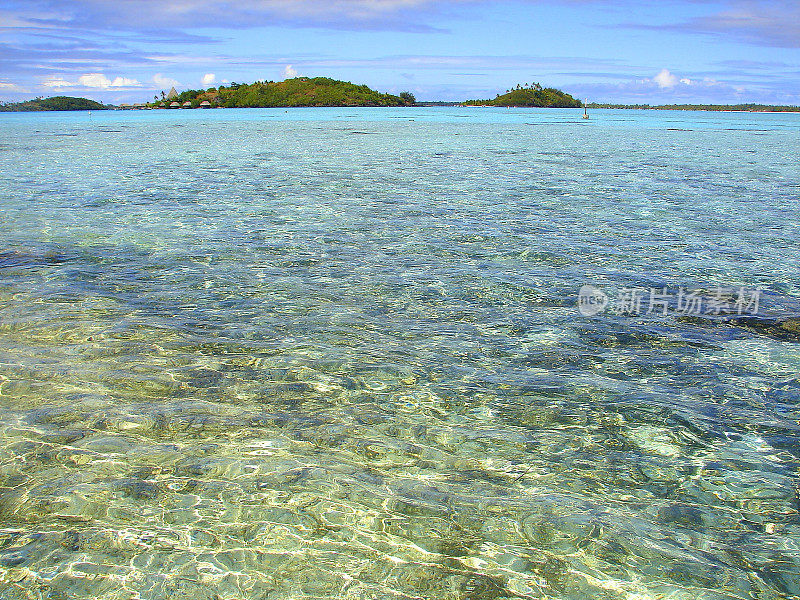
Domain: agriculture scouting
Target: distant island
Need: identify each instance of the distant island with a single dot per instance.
(713, 107)
(323, 91)
(531, 95)
(54, 103)
(296, 92)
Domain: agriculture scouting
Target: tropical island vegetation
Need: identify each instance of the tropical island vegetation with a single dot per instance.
(299, 91)
(323, 91)
(533, 95)
(54, 103)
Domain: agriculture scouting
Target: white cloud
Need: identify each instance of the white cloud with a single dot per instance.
(668, 81)
(10, 87)
(699, 90)
(95, 81)
(101, 82)
(125, 82)
(289, 72)
(208, 79)
(665, 79)
(164, 82)
(56, 82)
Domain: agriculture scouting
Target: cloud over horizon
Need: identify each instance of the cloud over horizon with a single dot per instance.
(768, 22)
(96, 81)
(400, 15)
(445, 47)
(164, 82)
(759, 22)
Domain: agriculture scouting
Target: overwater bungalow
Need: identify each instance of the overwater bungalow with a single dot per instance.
(205, 104)
(187, 104)
(174, 105)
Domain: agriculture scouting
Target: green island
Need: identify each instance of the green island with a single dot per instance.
(54, 103)
(324, 91)
(711, 107)
(532, 95)
(296, 92)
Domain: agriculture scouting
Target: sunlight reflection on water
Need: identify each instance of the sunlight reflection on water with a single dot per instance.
(250, 354)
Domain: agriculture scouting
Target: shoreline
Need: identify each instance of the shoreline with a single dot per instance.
(794, 110)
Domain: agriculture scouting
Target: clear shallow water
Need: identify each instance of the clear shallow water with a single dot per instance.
(336, 354)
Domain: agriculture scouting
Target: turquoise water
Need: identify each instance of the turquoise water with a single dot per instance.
(336, 353)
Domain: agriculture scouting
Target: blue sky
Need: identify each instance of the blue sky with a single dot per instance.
(655, 51)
